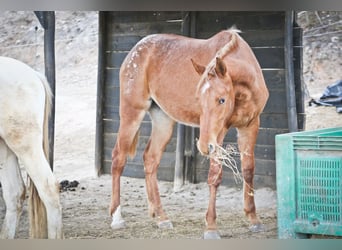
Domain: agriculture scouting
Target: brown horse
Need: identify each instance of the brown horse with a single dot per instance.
(158, 77)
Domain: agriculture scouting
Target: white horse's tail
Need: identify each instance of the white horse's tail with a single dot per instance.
(37, 210)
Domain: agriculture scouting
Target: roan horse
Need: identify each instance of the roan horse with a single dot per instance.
(157, 77)
(25, 99)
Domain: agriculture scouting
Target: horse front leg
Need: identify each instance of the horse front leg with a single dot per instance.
(246, 141)
(214, 180)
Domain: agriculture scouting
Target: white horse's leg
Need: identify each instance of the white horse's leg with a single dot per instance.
(31, 154)
(48, 190)
(13, 190)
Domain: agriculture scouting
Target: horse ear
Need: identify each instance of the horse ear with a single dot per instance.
(199, 68)
(220, 68)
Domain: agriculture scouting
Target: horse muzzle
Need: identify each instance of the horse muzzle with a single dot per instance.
(206, 148)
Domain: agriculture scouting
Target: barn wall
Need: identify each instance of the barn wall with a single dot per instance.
(264, 31)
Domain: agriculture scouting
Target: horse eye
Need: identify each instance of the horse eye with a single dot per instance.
(221, 100)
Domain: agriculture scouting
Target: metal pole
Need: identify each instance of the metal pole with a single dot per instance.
(47, 20)
(99, 105)
(289, 75)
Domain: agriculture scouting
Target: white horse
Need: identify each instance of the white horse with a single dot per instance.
(25, 101)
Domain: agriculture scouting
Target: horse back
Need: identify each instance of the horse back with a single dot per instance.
(159, 68)
(22, 96)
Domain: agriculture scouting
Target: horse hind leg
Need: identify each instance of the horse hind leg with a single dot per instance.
(13, 189)
(125, 145)
(48, 190)
(162, 127)
(31, 154)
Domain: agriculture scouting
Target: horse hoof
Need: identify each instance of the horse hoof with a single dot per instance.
(166, 224)
(257, 228)
(117, 221)
(118, 224)
(212, 235)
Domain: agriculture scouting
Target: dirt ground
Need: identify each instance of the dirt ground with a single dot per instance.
(85, 210)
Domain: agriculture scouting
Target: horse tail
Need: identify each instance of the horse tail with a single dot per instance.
(133, 147)
(37, 211)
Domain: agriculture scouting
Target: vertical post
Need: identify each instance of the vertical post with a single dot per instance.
(47, 20)
(99, 102)
(289, 75)
(179, 164)
(190, 132)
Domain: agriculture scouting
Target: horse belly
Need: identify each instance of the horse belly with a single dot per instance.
(178, 108)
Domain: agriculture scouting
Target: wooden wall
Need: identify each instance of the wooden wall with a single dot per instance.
(264, 31)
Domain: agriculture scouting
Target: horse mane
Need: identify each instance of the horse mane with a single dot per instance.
(221, 53)
(229, 46)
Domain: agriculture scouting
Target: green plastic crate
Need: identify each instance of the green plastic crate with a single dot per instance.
(309, 183)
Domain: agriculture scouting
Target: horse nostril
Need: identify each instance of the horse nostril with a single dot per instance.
(211, 148)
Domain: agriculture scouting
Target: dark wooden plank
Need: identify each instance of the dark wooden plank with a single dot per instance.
(261, 181)
(114, 59)
(264, 38)
(145, 28)
(297, 36)
(276, 102)
(113, 126)
(297, 57)
(113, 98)
(229, 181)
(270, 57)
(275, 79)
(167, 164)
(165, 173)
(112, 113)
(109, 111)
(301, 120)
(255, 38)
(110, 139)
(218, 20)
(143, 16)
(262, 166)
(273, 120)
(112, 77)
(120, 42)
(266, 136)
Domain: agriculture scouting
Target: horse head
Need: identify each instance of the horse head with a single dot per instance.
(215, 95)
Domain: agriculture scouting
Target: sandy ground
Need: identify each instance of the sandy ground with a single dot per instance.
(85, 210)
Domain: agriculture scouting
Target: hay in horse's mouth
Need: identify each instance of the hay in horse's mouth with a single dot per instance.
(225, 156)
